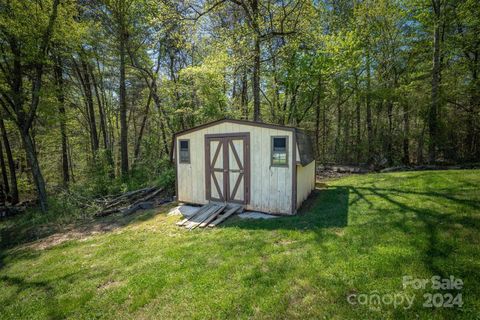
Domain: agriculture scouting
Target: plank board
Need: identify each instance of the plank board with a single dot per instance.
(199, 211)
(214, 213)
(224, 216)
(213, 216)
(202, 216)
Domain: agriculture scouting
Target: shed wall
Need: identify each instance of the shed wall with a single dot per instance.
(305, 181)
(270, 186)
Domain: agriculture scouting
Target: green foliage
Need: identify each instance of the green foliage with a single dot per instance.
(100, 176)
(357, 75)
(162, 175)
(167, 178)
(149, 171)
(152, 169)
(207, 83)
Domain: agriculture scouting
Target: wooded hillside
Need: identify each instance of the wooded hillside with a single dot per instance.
(92, 91)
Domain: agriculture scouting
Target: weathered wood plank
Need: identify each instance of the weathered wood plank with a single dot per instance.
(205, 216)
(198, 216)
(199, 211)
(211, 217)
(223, 217)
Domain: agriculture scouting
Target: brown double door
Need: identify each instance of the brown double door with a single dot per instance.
(227, 159)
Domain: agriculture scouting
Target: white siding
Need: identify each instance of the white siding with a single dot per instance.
(305, 181)
(270, 187)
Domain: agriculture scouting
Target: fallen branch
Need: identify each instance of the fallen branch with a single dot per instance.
(132, 201)
(127, 196)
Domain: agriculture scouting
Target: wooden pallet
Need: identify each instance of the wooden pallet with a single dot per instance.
(209, 215)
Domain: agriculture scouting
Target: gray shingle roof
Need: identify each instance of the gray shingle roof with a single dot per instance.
(305, 147)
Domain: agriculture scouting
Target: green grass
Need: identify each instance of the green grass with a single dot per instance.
(359, 234)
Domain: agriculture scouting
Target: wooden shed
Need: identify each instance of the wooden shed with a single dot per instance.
(264, 167)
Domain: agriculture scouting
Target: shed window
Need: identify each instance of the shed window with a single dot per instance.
(184, 151)
(279, 151)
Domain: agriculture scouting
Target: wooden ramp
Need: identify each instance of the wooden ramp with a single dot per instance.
(210, 215)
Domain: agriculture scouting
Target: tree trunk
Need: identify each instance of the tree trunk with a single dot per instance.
(35, 167)
(358, 124)
(435, 96)
(234, 89)
(338, 149)
(292, 110)
(406, 134)
(173, 77)
(2, 196)
(275, 105)
(90, 107)
(164, 137)
(390, 132)
(256, 81)
(101, 111)
(13, 196)
(256, 63)
(244, 97)
(345, 150)
(142, 128)
(369, 111)
(317, 118)
(123, 103)
(420, 147)
(324, 133)
(6, 187)
(70, 161)
(103, 124)
(58, 70)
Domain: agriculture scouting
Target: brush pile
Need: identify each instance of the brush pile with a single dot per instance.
(129, 202)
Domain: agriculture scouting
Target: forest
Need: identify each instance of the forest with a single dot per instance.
(91, 92)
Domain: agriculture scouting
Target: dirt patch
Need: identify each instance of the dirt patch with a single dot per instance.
(53, 240)
(73, 233)
(284, 242)
(108, 285)
(84, 230)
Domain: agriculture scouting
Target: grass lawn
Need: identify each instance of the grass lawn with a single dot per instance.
(356, 235)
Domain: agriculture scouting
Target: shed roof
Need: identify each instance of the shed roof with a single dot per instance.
(305, 148)
(244, 122)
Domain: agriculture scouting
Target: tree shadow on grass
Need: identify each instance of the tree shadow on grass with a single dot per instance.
(324, 208)
(43, 287)
(28, 244)
(434, 224)
(434, 194)
(42, 236)
(428, 229)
